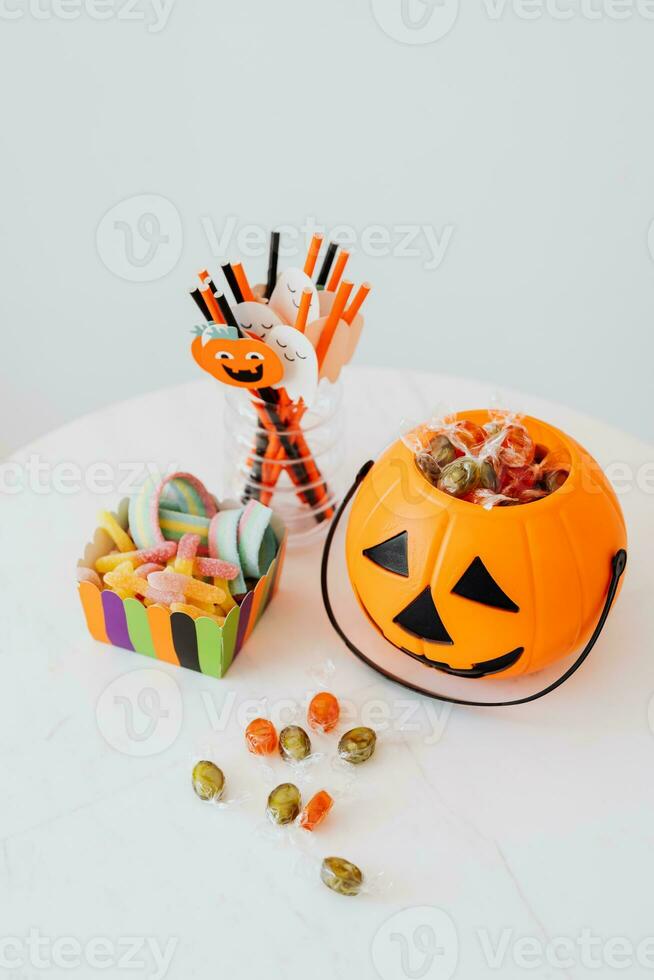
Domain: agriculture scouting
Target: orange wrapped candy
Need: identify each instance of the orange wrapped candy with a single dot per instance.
(323, 712)
(316, 810)
(261, 737)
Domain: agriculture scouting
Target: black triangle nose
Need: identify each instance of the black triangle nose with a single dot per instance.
(421, 619)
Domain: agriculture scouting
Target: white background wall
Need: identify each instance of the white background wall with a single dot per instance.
(523, 145)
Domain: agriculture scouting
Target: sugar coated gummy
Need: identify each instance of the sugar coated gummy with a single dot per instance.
(357, 745)
(284, 804)
(208, 781)
(323, 712)
(261, 737)
(341, 876)
(294, 744)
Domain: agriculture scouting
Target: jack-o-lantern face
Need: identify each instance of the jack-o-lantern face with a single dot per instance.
(238, 362)
(480, 593)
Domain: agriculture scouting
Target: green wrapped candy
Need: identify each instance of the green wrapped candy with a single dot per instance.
(341, 876)
(208, 781)
(460, 477)
(284, 804)
(442, 451)
(488, 476)
(294, 744)
(357, 745)
(428, 467)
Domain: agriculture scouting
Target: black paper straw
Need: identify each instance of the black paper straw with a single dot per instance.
(233, 282)
(197, 297)
(326, 265)
(227, 311)
(272, 263)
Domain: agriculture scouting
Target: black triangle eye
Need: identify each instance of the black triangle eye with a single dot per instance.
(421, 619)
(478, 585)
(393, 555)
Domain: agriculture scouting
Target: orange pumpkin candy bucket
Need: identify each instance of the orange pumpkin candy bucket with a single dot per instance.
(459, 591)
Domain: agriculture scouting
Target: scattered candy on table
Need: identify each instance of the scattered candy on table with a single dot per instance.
(323, 712)
(261, 737)
(494, 465)
(341, 876)
(316, 810)
(284, 804)
(357, 745)
(208, 781)
(294, 744)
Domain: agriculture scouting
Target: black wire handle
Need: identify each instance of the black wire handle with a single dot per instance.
(618, 565)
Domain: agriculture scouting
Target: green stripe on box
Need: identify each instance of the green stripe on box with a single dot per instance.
(138, 627)
(230, 630)
(210, 646)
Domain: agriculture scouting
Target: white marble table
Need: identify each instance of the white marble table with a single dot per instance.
(495, 840)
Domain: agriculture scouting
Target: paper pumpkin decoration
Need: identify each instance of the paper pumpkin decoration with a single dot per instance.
(299, 361)
(475, 592)
(236, 361)
(256, 318)
(286, 296)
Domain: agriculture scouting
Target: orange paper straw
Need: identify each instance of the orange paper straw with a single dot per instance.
(355, 305)
(335, 278)
(242, 280)
(312, 254)
(332, 320)
(303, 312)
(213, 307)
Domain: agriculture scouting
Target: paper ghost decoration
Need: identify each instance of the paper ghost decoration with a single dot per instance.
(256, 318)
(286, 296)
(298, 356)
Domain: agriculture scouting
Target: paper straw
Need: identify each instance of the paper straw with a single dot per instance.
(272, 263)
(332, 321)
(228, 272)
(242, 280)
(355, 305)
(312, 254)
(303, 312)
(198, 299)
(326, 265)
(341, 262)
(214, 309)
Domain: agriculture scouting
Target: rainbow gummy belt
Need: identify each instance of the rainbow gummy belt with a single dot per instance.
(180, 595)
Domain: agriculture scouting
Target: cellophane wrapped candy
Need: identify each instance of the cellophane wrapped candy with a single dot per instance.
(494, 465)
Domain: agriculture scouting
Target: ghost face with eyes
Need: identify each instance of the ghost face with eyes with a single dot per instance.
(256, 318)
(287, 294)
(300, 363)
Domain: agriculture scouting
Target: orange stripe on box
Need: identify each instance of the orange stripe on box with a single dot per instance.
(93, 611)
(162, 637)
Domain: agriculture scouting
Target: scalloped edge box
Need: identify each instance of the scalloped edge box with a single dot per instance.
(155, 632)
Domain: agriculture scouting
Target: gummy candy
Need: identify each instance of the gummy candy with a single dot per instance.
(316, 810)
(323, 712)
(188, 586)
